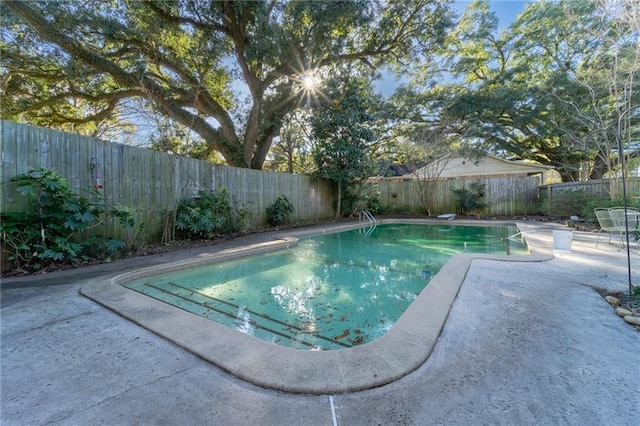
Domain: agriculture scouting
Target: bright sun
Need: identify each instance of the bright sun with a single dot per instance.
(310, 81)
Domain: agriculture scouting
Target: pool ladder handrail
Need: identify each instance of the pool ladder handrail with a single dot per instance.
(366, 215)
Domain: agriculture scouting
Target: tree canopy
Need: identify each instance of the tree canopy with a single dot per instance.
(230, 71)
(227, 79)
(562, 72)
(342, 129)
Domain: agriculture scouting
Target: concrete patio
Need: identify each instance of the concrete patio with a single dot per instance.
(524, 343)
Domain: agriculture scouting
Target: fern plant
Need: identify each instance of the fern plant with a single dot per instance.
(469, 200)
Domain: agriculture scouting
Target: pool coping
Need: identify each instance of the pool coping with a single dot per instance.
(405, 347)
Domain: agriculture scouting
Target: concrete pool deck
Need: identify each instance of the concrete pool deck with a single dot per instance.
(524, 342)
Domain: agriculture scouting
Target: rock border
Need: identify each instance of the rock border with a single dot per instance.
(622, 308)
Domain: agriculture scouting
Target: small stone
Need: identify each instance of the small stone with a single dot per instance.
(622, 312)
(614, 301)
(612, 292)
(632, 320)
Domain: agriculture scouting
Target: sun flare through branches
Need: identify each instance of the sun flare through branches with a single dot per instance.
(310, 81)
(309, 85)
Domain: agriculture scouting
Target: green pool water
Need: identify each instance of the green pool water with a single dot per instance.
(331, 291)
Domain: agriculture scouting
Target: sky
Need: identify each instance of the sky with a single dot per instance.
(505, 10)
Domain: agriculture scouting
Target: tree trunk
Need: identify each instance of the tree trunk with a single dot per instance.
(339, 206)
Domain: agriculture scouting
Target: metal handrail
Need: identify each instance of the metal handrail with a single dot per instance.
(367, 215)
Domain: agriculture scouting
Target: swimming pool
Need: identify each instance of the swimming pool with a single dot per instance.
(330, 291)
(405, 347)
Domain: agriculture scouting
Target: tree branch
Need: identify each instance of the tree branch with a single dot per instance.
(143, 82)
(167, 16)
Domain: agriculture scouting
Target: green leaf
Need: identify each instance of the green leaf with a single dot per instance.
(114, 246)
(85, 217)
(51, 254)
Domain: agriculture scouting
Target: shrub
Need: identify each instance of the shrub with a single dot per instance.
(468, 200)
(51, 231)
(578, 203)
(279, 213)
(591, 203)
(565, 204)
(375, 206)
(355, 197)
(351, 200)
(636, 292)
(208, 214)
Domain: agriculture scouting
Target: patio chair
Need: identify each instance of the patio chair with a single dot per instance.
(621, 224)
(605, 221)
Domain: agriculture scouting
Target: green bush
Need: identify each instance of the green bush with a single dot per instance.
(468, 200)
(591, 203)
(209, 214)
(566, 203)
(636, 292)
(351, 200)
(279, 213)
(374, 204)
(578, 203)
(50, 232)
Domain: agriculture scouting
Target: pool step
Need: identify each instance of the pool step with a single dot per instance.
(235, 316)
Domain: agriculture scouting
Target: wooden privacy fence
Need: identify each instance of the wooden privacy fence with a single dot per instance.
(514, 195)
(151, 182)
(146, 181)
(598, 188)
